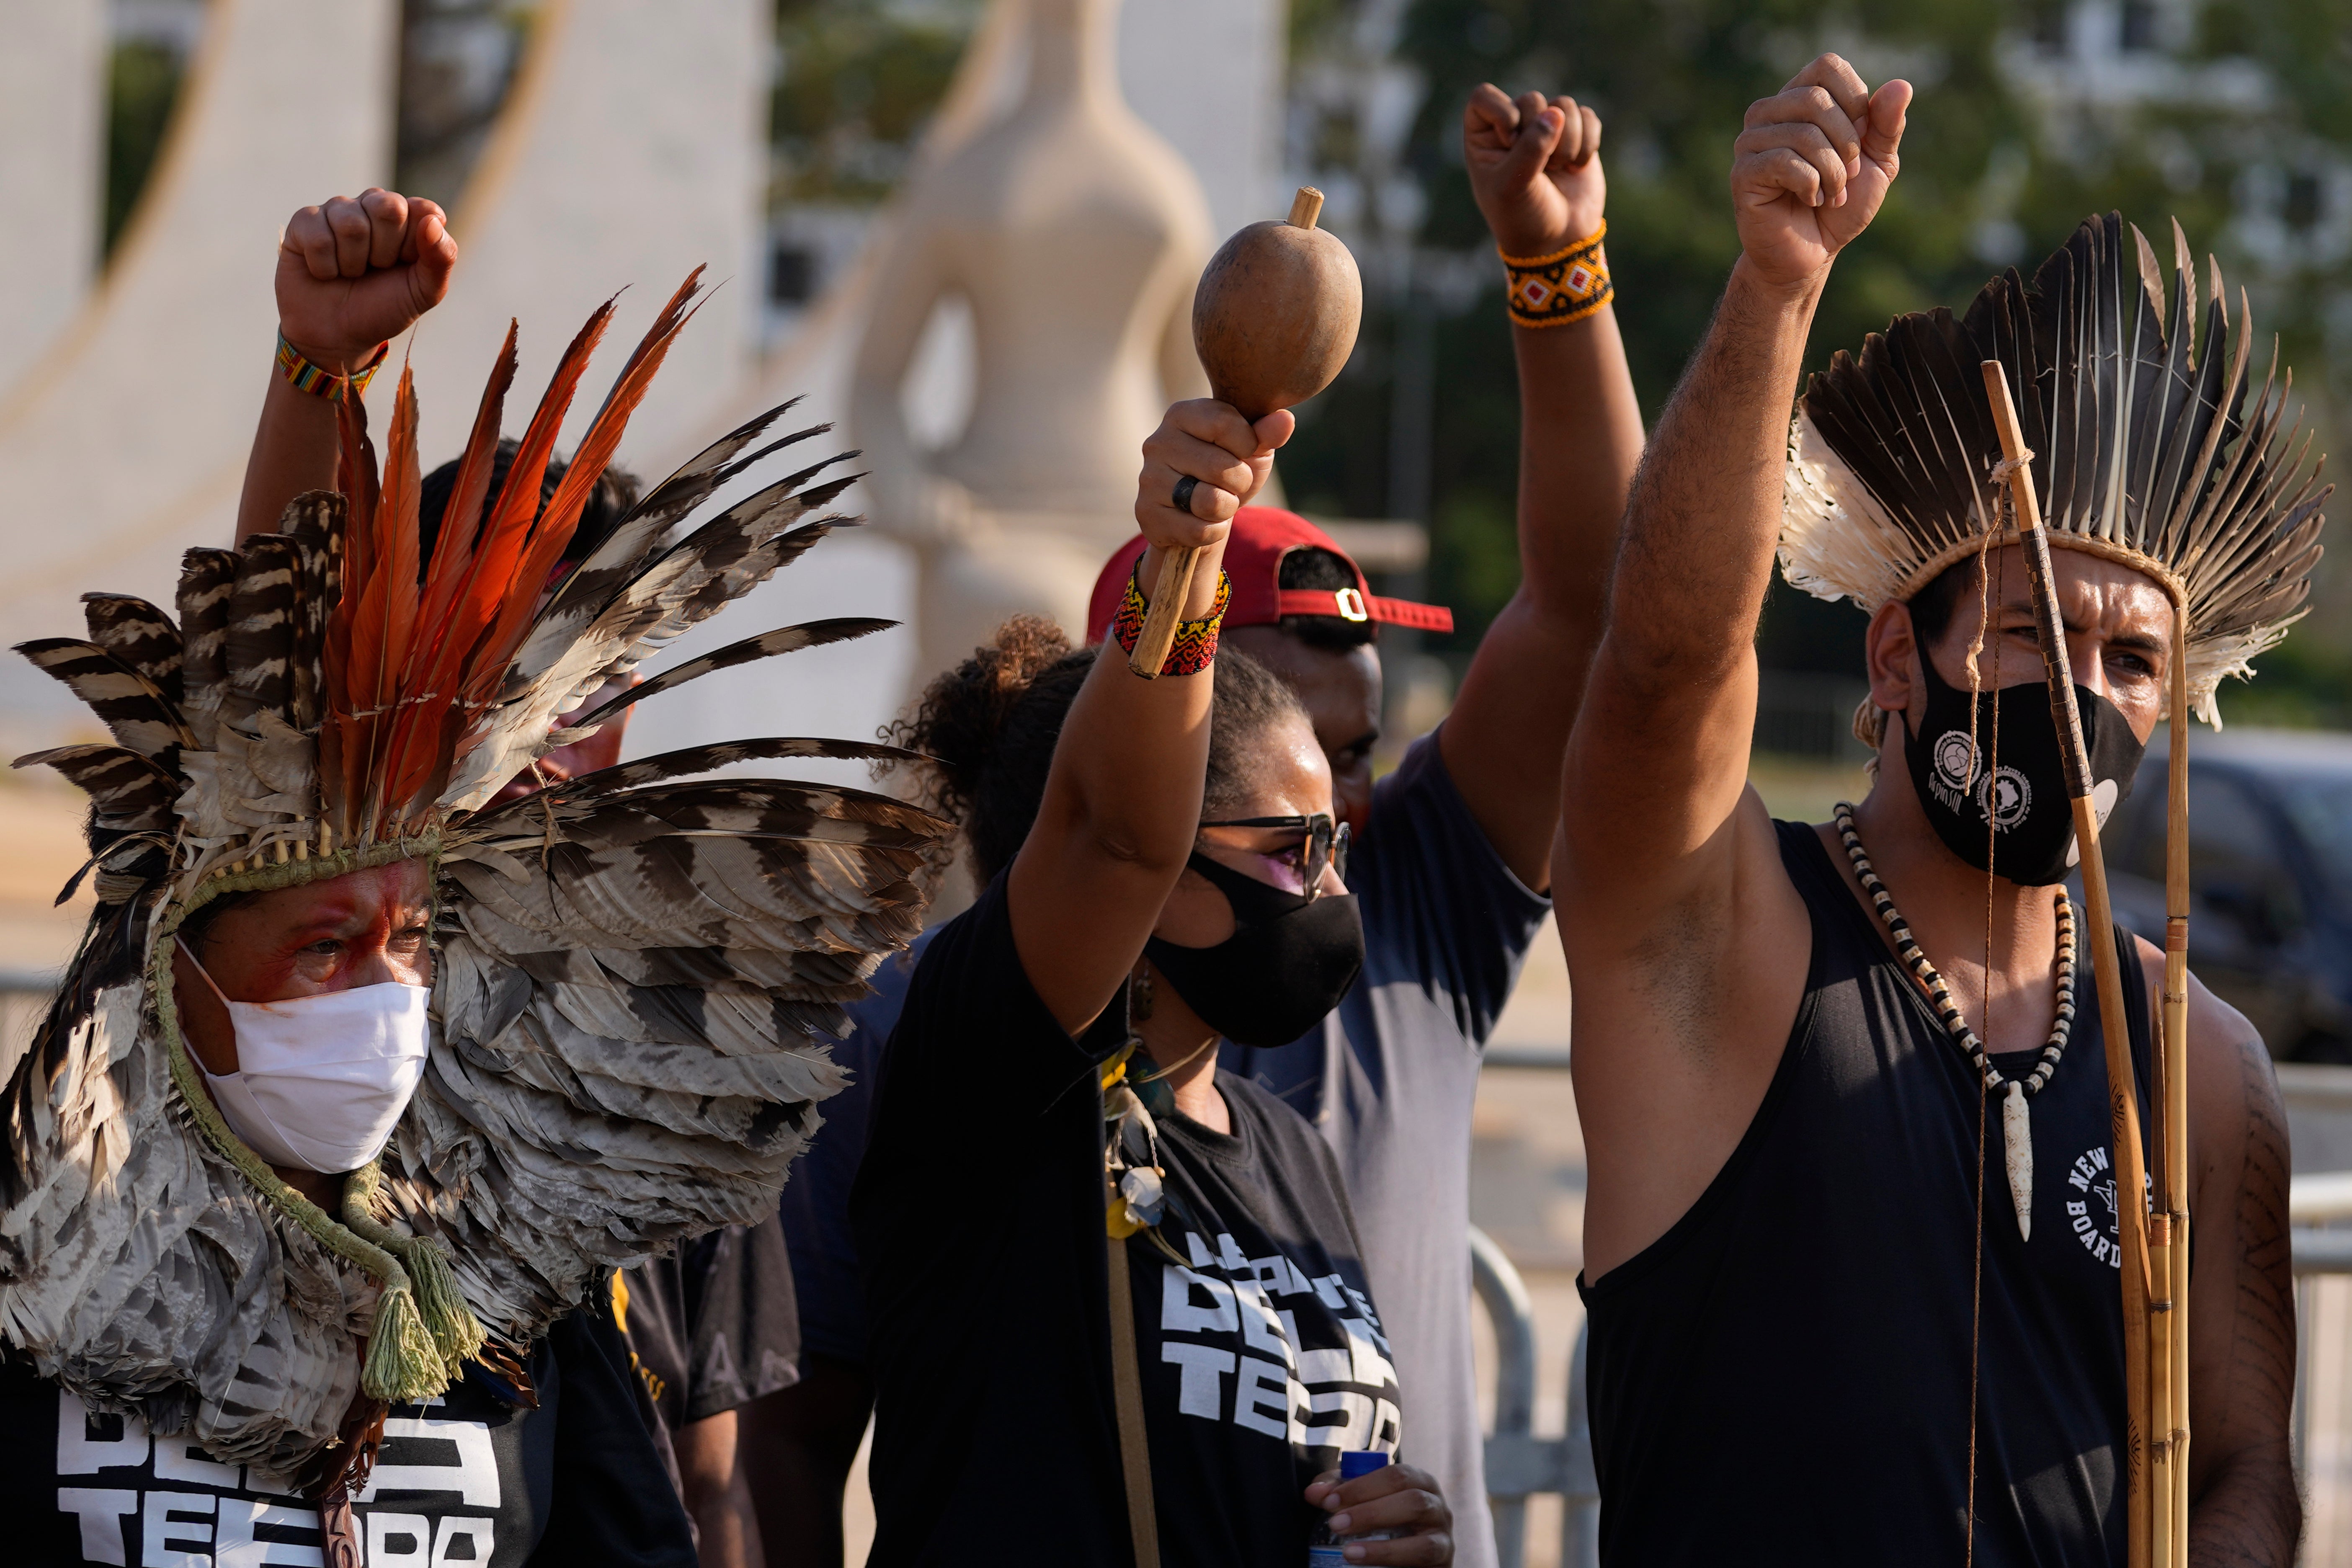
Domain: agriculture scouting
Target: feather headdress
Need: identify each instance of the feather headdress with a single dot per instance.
(632, 971)
(2144, 451)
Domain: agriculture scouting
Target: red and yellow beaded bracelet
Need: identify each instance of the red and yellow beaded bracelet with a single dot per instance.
(1194, 647)
(319, 382)
(1567, 286)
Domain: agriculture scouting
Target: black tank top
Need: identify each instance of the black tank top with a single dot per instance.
(1783, 1376)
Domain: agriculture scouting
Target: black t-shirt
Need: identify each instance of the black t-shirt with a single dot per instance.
(979, 1220)
(712, 1326)
(465, 1479)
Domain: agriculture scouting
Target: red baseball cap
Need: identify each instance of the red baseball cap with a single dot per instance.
(1262, 536)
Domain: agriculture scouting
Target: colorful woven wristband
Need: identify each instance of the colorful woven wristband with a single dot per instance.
(321, 383)
(1566, 286)
(1195, 645)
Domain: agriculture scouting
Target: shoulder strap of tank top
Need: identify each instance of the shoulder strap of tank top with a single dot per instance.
(1835, 909)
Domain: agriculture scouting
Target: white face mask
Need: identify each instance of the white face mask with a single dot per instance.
(321, 1080)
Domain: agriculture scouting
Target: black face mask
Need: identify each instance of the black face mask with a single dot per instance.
(1289, 961)
(2033, 820)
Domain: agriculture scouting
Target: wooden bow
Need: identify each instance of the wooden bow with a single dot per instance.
(2154, 1233)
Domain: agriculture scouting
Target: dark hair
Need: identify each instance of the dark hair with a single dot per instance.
(615, 493)
(1312, 566)
(990, 726)
(1932, 606)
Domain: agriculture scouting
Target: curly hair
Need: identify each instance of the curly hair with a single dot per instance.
(988, 729)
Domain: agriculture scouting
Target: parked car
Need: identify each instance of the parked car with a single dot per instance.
(2270, 877)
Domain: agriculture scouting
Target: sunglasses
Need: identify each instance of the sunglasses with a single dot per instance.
(1325, 843)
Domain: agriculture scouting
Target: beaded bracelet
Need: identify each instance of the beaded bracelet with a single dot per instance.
(1566, 286)
(1194, 647)
(321, 383)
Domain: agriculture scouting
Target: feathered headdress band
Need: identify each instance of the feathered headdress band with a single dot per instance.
(2145, 453)
(633, 970)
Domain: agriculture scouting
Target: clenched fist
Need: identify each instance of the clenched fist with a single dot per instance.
(1534, 169)
(1811, 166)
(357, 270)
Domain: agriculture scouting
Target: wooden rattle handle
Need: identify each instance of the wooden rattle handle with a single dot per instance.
(1167, 595)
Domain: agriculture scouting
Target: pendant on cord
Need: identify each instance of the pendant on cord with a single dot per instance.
(2017, 1135)
(2016, 1126)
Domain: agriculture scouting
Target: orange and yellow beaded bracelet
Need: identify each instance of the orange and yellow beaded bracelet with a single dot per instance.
(1567, 286)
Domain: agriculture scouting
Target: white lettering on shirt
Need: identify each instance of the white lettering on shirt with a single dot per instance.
(473, 1533)
(1198, 1395)
(235, 1547)
(399, 1540)
(101, 1512)
(1283, 1381)
(79, 1454)
(1263, 1386)
(1260, 1330)
(474, 1477)
(165, 1535)
(1178, 1315)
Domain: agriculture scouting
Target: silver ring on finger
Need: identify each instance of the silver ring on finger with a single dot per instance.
(1182, 499)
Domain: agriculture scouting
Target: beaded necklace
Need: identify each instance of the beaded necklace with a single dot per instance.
(2017, 1132)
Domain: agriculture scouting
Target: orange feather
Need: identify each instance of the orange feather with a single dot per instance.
(490, 576)
(571, 498)
(453, 549)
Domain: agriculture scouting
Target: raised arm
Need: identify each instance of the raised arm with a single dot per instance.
(1534, 169)
(352, 274)
(1658, 761)
(1122, 802)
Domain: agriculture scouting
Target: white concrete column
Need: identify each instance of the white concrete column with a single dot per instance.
(127, 443)
(633, 146)
(52, 167)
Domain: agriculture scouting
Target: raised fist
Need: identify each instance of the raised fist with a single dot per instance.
(1811, 166)
(358, 270)
(1534, 169)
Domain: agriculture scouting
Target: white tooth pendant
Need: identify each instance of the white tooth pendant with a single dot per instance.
(2017, 1134)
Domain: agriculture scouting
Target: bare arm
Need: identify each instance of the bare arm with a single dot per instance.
(718, 1494)
(1684, 935)
(2242, 1509)
(352, 273)
(1664, 734)
(1535, 168)
(1122, 802)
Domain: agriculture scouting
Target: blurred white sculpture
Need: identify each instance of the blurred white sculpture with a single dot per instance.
(52, 164)
(1074, 234)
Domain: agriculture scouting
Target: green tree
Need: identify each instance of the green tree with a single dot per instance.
(1999, 164)
(142, 82)
(857, 83)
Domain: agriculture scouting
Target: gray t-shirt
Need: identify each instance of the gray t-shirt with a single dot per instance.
(1390, 1079)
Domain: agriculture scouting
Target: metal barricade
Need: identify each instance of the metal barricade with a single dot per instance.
(1521, 1465)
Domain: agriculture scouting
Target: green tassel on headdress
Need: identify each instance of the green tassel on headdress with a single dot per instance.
(438, 1306)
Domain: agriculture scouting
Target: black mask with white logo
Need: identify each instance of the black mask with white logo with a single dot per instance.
(2033, 819)
(1289, 961)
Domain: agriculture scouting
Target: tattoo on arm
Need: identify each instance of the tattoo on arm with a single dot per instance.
(2245, 1510)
